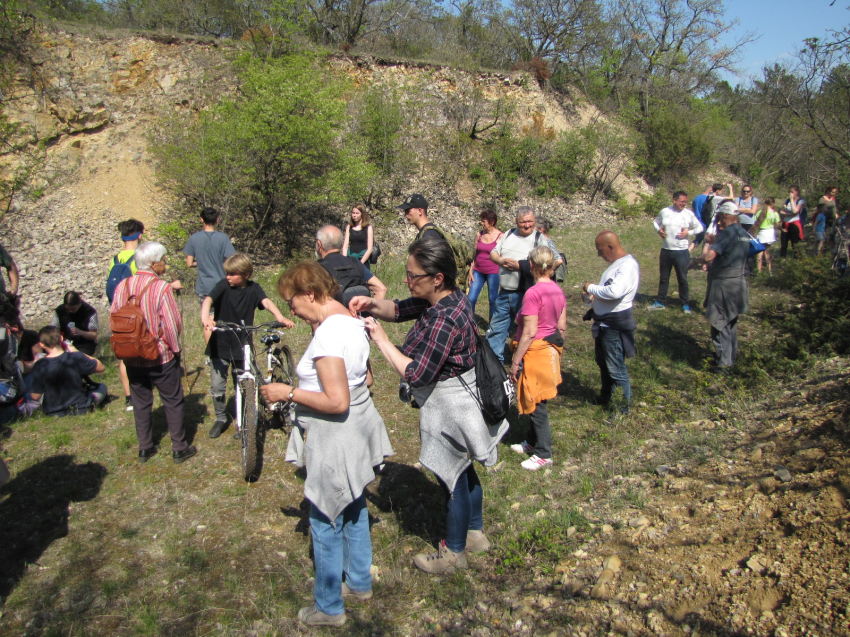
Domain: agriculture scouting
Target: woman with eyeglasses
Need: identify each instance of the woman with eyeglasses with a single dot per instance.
(345, 439)
(748, 207)
(437, 361)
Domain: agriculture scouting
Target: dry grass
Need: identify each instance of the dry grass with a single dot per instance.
(94, 543)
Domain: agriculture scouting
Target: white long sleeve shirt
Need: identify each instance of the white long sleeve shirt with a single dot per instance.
(673, 221)
(617, 286)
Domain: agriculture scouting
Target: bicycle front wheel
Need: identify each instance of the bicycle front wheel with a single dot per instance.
(250, 438)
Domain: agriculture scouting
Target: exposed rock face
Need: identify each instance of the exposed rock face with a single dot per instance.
(95, 98)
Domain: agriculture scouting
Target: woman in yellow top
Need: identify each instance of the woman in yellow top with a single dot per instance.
(764, 229)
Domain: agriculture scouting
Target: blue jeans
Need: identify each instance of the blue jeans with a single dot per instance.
(612, 365)
(478, 281)
(507, 306)
(464, 509)
(342, 548)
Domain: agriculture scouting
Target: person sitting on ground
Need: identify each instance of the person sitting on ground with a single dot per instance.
(764, 229)
(437, 364)
(354, 278)
(346, 438)
(536, 364)
(234, 298)
(359, 238)
(58, 377)
(11, 381)
(77, 320)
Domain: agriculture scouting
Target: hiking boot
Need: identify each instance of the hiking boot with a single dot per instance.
(443, 561)
(312, 616)
(182, 456)
(536, 462)
(349, 594)
(476, 542)
(656, 306)
(523, 447)
(128, 403)
(218, 428)
(686, 309)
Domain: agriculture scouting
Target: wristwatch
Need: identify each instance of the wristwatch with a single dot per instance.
(291, 395)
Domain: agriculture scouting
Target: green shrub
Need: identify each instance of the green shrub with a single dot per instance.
(672, 146)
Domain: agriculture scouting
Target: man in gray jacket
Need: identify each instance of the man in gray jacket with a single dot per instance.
(727, 295)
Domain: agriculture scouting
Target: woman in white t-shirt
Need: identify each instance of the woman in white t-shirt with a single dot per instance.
(345, 439)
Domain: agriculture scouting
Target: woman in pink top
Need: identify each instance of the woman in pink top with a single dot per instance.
(536, 363)
(483, 270)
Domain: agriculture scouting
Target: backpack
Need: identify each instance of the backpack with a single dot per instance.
(495, 390)
(460, 249)
(707, 212)
(376, 253)
(11, 382)
(131, 337)
(118, 273)
(348, 276)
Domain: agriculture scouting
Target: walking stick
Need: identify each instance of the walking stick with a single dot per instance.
(183, 346)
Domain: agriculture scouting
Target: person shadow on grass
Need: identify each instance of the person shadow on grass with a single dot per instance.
(34, 511)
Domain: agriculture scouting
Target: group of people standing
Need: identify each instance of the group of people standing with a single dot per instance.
(339, 436)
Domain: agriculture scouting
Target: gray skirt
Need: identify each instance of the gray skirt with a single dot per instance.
(452, 430)
(340, 451)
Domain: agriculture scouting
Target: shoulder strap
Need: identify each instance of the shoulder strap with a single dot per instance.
(138, 300)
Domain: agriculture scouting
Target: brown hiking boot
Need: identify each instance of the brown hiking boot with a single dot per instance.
(477, 542)
(443, 561)
(362, 596)
(312, 616)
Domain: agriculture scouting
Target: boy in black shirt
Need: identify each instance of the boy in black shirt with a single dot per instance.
(234, 298)
(57, 378)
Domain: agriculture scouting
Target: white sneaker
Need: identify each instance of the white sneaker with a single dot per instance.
(523, 448)
(536, 462)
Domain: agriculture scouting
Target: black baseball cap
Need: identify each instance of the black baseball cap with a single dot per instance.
(414, 201)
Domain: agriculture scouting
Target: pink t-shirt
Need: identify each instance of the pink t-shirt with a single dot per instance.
(546, 301)
(482, 256)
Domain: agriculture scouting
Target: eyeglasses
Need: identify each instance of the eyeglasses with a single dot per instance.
(408, 275)
(289, 300)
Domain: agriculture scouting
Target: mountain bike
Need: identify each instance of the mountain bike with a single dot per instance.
(253, 414)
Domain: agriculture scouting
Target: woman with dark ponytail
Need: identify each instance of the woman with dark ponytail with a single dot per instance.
(437, 366)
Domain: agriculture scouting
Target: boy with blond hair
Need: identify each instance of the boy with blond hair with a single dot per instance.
(234, 300)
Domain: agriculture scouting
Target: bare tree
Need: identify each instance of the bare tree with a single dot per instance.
(672, 46)
(347, 21)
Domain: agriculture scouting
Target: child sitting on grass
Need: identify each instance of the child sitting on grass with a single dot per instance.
(234, 298)
(57, 379)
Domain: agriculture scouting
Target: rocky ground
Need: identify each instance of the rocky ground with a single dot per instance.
(746, 535)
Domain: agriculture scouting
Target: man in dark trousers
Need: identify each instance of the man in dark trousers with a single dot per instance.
(613, 319)
(727, 295)
(353, 277)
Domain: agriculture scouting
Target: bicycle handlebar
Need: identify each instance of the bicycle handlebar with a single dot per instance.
(224, 325)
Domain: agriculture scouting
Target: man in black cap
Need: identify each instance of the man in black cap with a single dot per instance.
(416, 212)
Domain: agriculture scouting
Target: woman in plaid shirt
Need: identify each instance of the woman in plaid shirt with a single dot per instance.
(437, 361)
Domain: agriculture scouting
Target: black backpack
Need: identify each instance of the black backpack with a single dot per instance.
(495, 390)
(347, 274)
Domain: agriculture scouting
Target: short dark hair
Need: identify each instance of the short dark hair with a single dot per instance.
(72, 298)
(488, 215)
(716, 187)
(679, 193)
(130, 227)
(50, 336)
(435, 256)
(209, 215)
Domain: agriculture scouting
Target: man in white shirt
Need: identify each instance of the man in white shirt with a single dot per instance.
(674, 225)
(613, 320)
(512, 248)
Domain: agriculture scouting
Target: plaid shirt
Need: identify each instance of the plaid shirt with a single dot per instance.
(160, 310)
(442, 341)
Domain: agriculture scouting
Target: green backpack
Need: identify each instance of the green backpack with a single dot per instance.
(460, 248)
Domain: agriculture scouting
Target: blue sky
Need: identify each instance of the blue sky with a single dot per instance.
(782, 25)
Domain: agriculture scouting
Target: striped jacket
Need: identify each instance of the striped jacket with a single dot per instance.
(160, 310)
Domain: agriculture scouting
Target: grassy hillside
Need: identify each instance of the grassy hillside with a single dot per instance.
(94, 543)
